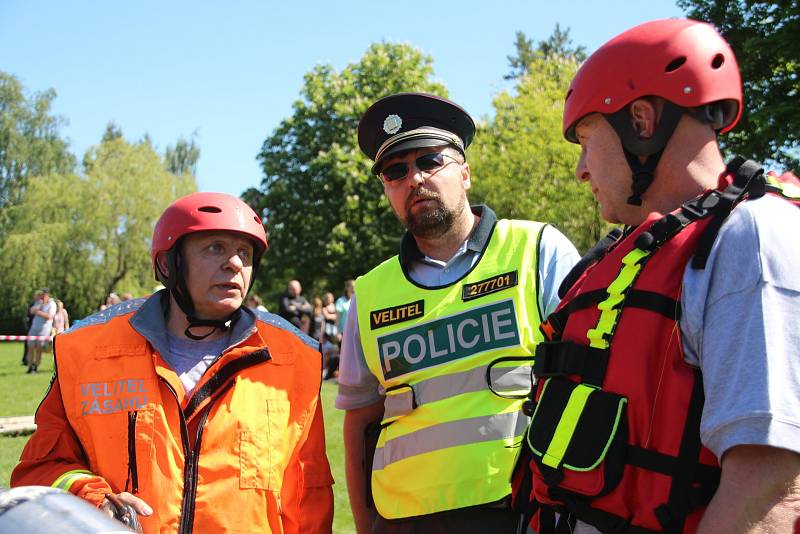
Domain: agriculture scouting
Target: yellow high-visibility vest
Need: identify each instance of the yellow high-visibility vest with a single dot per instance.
(448, 440)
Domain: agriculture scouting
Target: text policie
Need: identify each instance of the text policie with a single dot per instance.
(448, 338)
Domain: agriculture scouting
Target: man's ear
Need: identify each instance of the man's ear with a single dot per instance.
(644, 117)
(466, 176)
(162, 263)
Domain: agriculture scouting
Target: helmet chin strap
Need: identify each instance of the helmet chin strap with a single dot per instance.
(176, 284)
(634, 146)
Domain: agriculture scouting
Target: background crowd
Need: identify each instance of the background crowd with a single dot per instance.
(323, 320)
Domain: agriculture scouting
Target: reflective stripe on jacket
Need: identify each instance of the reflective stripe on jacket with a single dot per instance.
(448, 442)
(245, 452)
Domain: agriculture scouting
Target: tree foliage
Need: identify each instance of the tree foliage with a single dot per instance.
(112, 131)
(182, 158)
(327, 216)
(85, 235)
(522, 165)
(557, 45)
(764, 36)
(30, 144)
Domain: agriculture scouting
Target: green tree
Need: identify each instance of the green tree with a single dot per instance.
(764, 37)
(182, 158)
(86, 235)
(327, 216)
(557, 45)
(30, 144)
(113, 131)
(522, 165)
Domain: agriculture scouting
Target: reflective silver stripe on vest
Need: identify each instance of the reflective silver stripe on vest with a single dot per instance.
(446, 386)
(461, 432)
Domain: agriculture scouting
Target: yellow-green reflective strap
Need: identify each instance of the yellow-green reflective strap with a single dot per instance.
(608, 312)
(66, 480)
(566, 425)
(787, 189)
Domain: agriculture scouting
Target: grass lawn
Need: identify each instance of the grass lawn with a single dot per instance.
(21, 393)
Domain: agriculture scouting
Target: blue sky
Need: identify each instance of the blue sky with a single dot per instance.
(230, 71)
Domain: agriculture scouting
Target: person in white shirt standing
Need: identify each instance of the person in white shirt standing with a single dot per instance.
(43, 311)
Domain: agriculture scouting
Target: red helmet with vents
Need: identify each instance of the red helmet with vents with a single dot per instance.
(199, 212)
(683, 61)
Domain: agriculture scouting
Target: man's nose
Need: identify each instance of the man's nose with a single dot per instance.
(415, 177)
(581, 171)
(235, 262)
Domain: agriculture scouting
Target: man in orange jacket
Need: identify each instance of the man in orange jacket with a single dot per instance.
(195, 411)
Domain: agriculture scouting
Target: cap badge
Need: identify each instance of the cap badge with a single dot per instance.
(392, 124)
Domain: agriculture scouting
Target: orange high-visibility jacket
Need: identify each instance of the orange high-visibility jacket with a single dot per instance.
(244, 452)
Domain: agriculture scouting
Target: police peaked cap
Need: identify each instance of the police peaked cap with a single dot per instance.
(406, 121)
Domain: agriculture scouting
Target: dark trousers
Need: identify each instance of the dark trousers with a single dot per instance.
(468, 521)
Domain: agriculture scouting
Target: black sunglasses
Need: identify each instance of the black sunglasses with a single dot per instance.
(426, 163)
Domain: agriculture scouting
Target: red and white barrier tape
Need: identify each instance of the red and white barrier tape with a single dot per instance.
(23, 338)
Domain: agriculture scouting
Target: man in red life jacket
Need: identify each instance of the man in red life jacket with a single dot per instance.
(669, 393)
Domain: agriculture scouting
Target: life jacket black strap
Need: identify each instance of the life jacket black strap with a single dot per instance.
(553, 326)
(668, 465)
(561, 358)
(672, 515)
(670, 224)
(586, 300)
(747, 178)
(655, 302)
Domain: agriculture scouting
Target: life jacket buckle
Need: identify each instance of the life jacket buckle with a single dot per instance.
(699, 207)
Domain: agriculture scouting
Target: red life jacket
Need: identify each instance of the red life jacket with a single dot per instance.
(614, 438)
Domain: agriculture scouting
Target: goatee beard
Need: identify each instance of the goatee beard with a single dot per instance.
(433, 222)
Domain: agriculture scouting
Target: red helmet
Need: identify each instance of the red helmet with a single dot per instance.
(683, 61)
(199, 212)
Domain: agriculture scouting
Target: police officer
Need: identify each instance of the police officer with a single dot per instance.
(438, 342)
(669, 392)
(196, 411)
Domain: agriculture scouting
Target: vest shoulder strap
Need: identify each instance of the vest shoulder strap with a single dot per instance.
(748, 182)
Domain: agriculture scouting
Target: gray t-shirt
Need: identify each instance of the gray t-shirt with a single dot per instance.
(190, 358)
(741, 326)
(358, 387)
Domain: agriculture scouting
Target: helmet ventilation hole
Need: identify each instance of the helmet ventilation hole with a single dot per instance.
(209, 209)
(675, 64)
(717, 62)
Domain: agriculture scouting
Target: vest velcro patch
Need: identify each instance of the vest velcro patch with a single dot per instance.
(396, 314)
(490, 285)
(448, 338)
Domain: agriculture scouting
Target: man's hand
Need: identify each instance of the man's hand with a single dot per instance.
(126, 509)
(141, 507)
(355, 422)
